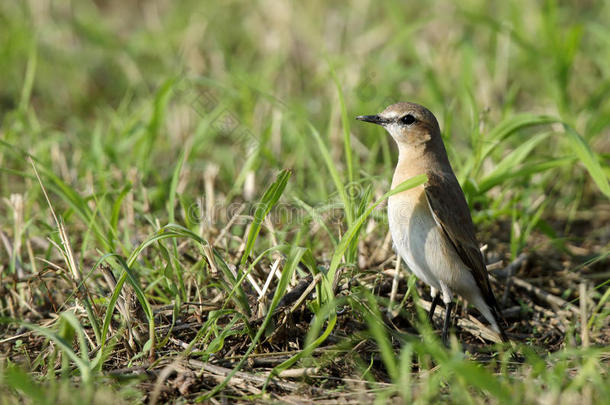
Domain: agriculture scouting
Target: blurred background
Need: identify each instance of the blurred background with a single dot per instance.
(109, 93)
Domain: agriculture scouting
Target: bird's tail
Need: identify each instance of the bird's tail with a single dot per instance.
(500, 321)
(494, 315)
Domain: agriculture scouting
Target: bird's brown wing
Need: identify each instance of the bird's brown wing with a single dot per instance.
(451, 212)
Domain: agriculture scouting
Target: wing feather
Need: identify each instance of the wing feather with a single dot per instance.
(451, 212)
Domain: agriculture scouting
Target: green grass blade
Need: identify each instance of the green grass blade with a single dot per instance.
(30, 75)
(116, 208)
(511, 125)
(334, 174)
(146, 307)
(525, 171)
(234, 288)
(171, 198)
(166, 232)
(345, 124)
(266, 203)
(77, 203)
(516, 156)
(78, 328)
(376, 327)
(588, 159)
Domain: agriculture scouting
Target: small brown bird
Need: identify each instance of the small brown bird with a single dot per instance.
(431, 224)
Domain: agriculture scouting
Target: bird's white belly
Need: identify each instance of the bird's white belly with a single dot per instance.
(420, 242)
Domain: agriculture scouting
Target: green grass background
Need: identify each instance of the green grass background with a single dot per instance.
(130, 108)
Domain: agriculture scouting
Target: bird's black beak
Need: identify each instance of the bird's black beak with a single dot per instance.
(375, 119)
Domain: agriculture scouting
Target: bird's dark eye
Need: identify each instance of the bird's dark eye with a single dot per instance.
(408, 119)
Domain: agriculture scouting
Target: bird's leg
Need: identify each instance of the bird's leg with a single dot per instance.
(436, 298)
(448, 308)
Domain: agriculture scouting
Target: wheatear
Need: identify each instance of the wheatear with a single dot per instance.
(431, 225)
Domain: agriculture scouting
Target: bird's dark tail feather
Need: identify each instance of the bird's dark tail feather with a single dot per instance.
(500, 321)
(490, 300)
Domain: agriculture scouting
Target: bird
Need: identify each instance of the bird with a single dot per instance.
(431, 225)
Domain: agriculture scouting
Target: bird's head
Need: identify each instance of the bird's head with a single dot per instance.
(409, 124)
